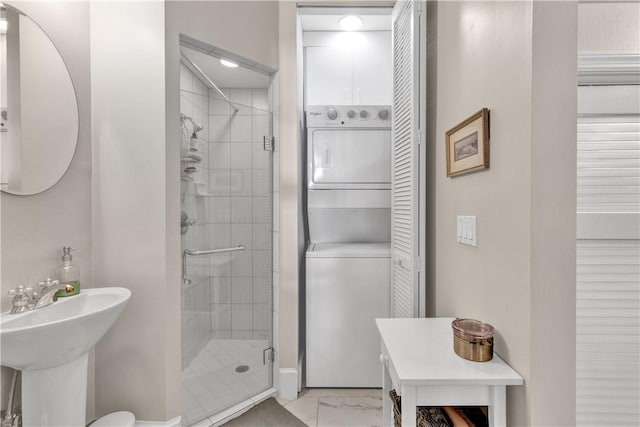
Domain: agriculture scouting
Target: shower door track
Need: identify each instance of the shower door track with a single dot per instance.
(198, 252)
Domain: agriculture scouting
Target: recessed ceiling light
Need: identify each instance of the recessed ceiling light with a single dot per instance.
(229, 64)
(350, 22)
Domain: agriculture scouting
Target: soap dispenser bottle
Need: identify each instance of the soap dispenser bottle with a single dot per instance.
(69, 275)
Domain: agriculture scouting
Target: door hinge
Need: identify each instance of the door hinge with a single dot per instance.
(268, 355)
(418, 264)
(3, 121)
(269, 143)
(419, 137)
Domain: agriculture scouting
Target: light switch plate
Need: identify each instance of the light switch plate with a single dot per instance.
(466, 230)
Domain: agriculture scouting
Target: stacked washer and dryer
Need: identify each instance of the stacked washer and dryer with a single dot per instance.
(348, 258)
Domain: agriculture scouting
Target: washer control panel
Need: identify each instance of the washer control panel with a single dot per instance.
(378, 116)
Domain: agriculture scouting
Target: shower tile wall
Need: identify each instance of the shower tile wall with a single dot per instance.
(230, 198)
(196, 319)
(240, 212)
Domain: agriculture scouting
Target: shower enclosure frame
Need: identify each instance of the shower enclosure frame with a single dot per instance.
(269, 354)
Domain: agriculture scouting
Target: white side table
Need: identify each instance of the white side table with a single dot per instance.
(419, 362)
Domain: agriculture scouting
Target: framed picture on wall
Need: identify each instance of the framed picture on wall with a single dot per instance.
(468, 145)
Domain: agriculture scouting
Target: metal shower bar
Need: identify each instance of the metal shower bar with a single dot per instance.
(213, 251)
(196, 252)
(208, 80)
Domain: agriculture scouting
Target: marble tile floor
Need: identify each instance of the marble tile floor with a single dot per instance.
(210, 382)
(346, 407)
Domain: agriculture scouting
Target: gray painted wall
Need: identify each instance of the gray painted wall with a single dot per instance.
(609, 26)
(507, 56)
(137, 362)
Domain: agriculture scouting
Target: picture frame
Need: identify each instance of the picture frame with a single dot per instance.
(467, 145)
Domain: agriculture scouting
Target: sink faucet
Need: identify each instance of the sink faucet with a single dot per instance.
(26, 299)
(47, 294)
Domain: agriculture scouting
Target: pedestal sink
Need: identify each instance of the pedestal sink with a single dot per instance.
(50, 346)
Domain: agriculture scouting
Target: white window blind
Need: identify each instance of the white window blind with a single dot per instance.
(608, 333)
(609, 163)
(404, 190)
(608, 257)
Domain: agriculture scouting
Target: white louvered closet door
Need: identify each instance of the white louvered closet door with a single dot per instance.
(405, 161)
(608, 257)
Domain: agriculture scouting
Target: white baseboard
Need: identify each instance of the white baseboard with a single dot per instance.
(174, 422)
(288, 384)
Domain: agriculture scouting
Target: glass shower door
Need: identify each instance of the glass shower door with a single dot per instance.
(241, 298)
(227, 354)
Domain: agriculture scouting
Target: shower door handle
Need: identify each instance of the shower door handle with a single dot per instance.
(196, 252)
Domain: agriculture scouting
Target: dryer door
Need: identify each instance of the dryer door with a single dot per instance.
(349, 158)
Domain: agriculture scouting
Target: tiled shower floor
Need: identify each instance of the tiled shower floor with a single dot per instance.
(210, 382)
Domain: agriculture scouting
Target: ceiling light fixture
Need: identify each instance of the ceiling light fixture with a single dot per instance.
(229, 64)
(350, 22)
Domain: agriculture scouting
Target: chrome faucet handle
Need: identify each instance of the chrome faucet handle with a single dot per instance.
(33, 297)
(21, 298)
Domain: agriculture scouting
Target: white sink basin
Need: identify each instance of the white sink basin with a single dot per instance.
(61, 332)
(50, 346)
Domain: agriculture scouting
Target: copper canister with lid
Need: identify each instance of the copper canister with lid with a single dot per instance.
(472, 339)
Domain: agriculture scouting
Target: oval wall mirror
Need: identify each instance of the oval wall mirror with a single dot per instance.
(39, 109)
